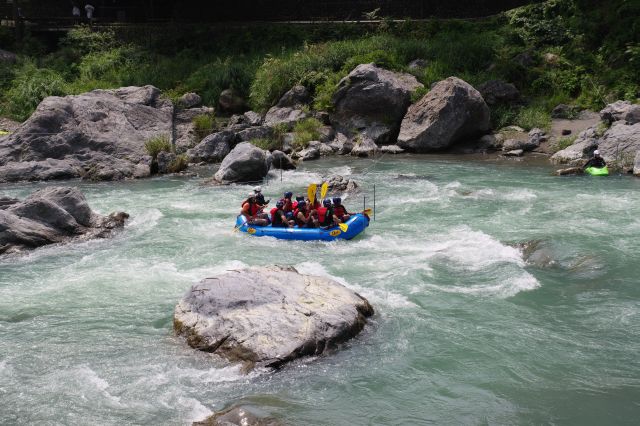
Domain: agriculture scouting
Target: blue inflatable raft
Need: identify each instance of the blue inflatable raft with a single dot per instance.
(356, 224)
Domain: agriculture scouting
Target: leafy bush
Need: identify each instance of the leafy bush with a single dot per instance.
(178, 164)
(29, 87)
(533, 116)
(306, 131)
(158, 144)
(563, 143)
(204, 125)
(266, 144)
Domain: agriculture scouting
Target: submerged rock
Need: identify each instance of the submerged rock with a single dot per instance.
(52, 215)
(99, 135)
(268, 316)
(241, 415)
(450, 112)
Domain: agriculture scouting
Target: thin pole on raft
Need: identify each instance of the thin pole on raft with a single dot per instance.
(374, 201)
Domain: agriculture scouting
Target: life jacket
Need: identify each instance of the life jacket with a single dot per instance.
(253, 207)
(315, 205)
(339, 211)
(325, 216)
(288, 205)
(276, 217)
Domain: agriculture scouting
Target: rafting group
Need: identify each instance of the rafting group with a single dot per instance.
(288, 212)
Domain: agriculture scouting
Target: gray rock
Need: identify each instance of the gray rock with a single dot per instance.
(7, 201)
(449, 113)
(259, 132)
(325, 149)
(514, 153)
(621, 111)
(371, 96)
(636, 166)
(498, 92)
(268, 316)
(284, 115)
(322, 116)
(295, 98)
(214, 148)
(309, 153)
(238, 416)
(364, 147)
(327, 133)
(164, 161)
(253, 118)
(339, 184)
(280, 160)
(341, 144)
(52, 215)
(8, 124)
(190, 100)
(185, 132)
(245, 163)
(99, 134)
(575, 153)
(391, 149)
(490, 142)
(620, 144)
(230, 102)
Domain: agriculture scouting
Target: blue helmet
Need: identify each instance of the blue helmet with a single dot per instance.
(326, 202)
(337, 200)
(302, 203)
(280, 204)
(288, 195)
(299, 198)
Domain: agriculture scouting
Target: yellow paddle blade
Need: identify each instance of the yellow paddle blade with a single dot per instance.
(323, 190)
(367, 212)
(343, 227)
(311, 192)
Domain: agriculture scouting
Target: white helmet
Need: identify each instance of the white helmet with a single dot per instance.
(596, 152)
(257, 189)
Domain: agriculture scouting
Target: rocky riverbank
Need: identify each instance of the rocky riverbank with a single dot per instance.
(134, 132)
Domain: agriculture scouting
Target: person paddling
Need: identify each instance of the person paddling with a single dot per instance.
(303, 216)
(596, 161)
(252, 210)
(326, 216)
(278, 216)
(340, 211)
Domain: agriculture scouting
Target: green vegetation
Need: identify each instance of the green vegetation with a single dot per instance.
(179, 164)
(306, 131)
(158, 144)
(563, 143)
(204, 125)
(269, 144)
(579, 52)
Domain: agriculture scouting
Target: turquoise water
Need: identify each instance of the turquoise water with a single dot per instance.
(465, 331)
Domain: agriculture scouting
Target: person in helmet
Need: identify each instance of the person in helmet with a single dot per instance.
(288, 204)
(303, 216)
(278, 216)
(596, 161)
(340, 211)
(295, 203)
(252, 210)
(326, 217)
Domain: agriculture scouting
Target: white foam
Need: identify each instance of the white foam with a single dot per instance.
(197, 411)
(505, 288)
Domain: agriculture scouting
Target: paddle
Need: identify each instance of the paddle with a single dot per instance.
(323, 190)
(311, 192)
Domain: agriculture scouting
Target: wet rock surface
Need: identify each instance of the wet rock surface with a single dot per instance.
(268, 316)
(449, 113)
(98, 135)
(52, 215)
(245, 163)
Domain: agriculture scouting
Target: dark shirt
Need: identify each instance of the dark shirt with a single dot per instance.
(597, 162)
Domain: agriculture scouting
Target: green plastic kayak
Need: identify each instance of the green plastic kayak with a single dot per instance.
(597, 171)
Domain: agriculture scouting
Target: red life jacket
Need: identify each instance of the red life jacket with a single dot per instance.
(322, 212)
(288, 205)
(315, 205)
(305, 214)
(273, 214)
(253, 208)
(339, 211)
(294, 206)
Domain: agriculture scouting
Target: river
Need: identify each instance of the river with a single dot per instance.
(465, 330)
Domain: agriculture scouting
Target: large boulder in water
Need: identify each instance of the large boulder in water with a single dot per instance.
(621, 111)
(98, 135)
(452, 111)
(370, 96)
(620, 144)
(245, 163)
(213, 148)
(582, 147)
(52, 215)
(267, 316)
